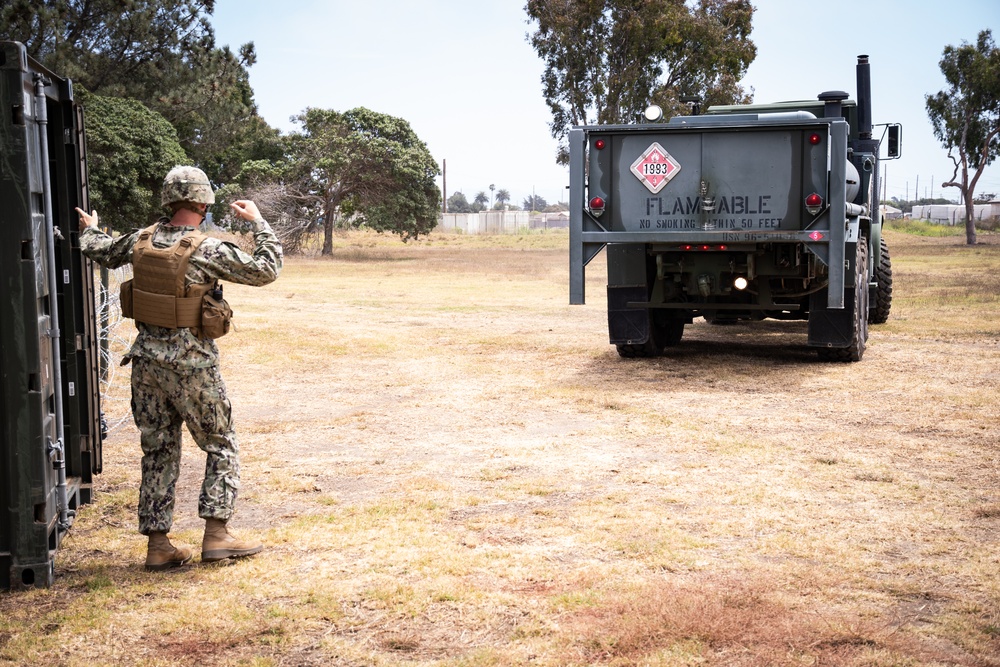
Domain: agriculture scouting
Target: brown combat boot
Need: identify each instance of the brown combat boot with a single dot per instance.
(219, 544)
(162, 555)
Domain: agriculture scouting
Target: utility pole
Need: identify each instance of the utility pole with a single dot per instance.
(444, 186)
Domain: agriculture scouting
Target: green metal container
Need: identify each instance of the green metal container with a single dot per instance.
(50, 420)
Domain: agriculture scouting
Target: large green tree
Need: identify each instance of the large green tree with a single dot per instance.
(160, 52)
(607, 60)
(362, 168)
(966, 116)
(130, 150)
(117, 48)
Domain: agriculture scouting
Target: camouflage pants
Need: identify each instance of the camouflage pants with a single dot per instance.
(162, 400)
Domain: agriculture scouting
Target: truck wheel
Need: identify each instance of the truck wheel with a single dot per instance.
(669, 328)
(883, 294)
(634, 351)
(856, 349)
(651, 348)
(665, 330)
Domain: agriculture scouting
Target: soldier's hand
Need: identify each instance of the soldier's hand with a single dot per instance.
(87, 220)
(246, 209)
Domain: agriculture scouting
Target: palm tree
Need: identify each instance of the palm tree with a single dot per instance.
(503, 196)
(481, 200)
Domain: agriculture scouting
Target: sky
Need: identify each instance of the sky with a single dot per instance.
(463, 74)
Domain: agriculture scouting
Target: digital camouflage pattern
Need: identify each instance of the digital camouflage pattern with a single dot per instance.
(163, 400)
(187, 184)
(175, 375)
(214, 260)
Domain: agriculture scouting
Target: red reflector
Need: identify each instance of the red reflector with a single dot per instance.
(816, 236)
(814, 138)
(599, 144)
(814, 200)
(703, 247)
(597, 203)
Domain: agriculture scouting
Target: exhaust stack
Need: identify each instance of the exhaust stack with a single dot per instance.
(864, 98)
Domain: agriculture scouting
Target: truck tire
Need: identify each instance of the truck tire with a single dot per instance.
(665, 330)
(668, 326)
(636, 351)
(859, 338)
(883, 292)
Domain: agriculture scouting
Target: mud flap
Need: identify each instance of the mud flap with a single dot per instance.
(829, 327)
(627, 326)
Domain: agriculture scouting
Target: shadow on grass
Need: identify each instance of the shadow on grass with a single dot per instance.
(735, 356)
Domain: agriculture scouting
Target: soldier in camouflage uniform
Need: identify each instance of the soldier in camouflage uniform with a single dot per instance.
(175, 374)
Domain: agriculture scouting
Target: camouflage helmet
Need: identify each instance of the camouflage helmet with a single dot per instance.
(189, 184)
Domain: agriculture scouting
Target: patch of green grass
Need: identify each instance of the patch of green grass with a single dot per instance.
(924, 228)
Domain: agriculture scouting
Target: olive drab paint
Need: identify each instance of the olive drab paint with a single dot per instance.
(50, 421)
(741, 214)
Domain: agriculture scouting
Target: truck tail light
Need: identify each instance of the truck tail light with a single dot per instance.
(814, 203)
(597, 206)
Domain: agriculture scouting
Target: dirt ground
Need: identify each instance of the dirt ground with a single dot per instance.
(450, 465)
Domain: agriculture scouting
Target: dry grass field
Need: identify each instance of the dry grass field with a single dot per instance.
(449, 465)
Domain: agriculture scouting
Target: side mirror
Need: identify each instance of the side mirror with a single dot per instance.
(895, 134)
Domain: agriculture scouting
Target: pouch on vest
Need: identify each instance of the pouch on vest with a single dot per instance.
(216, 315)
(125, 298)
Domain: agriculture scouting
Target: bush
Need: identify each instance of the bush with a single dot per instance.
(924, 228)
(988, 225)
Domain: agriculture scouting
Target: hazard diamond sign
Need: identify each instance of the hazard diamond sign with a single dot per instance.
(655, 168)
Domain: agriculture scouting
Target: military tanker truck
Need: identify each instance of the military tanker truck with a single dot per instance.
(738, 214)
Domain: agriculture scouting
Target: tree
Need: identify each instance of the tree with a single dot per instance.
(503, 196)
(480, 201)
(966, 116)
(363, 168)
(534, 203)
(130, 150)
(211, 105)
(110, 47)
(457, 203)
(292, 215)
(160, 52)
(606, 60)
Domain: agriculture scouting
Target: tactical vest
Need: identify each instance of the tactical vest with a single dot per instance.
(159, 296)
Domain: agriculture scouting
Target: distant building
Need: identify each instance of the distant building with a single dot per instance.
(890, 212)
(953, 214)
